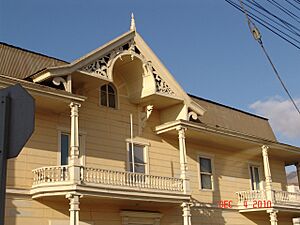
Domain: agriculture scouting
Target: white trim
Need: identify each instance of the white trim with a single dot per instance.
(260, 172)
(138, 141)
(211, 158)
(146, 154)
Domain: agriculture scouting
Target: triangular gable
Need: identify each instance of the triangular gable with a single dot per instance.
(98, 62)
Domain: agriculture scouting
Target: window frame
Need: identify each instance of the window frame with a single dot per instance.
(146, 154)
(82, 137)
(211, 158)
(107, 96)
(259, 167)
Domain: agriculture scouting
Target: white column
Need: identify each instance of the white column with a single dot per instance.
(273, 216)
(74, 208)
(183, 159)
(187, 217)
(267, 170)
(74, 162)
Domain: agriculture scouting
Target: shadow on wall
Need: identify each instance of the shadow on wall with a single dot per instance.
(11, 212)
(201, 212)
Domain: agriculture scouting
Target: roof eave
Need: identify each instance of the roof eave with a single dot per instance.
(77, 64)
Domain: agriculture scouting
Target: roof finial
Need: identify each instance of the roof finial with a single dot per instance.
(132, 24)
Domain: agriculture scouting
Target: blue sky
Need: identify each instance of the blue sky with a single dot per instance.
(206, 45)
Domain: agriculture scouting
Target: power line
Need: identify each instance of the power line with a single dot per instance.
(256, 34)
(257, 19)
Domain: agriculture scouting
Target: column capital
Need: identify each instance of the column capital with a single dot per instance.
(74, 104)
(265, 149)
(181, 128)
(273, 216)
(186, 205)
(181, 131)
(72, 195)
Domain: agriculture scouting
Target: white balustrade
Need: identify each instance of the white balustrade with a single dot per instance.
(250, 196)
(54, 174)
(50, 174)
(287, 198)
(129, 179)
(282, 198)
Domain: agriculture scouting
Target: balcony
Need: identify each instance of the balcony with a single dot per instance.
(56, 180)
(257, 200)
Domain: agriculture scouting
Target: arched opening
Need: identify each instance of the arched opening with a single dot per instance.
(131, 69)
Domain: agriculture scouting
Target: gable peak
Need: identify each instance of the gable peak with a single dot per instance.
(132, 23)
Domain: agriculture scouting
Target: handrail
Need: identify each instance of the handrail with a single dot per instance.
(54, 174)
(50, 174)
(130, 179)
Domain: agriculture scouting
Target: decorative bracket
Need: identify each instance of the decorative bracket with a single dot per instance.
(66, 82)
(192, 116)
(146, 114)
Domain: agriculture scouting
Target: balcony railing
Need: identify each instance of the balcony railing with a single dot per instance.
(129, 179)
(103, 177)
(287, 198)
(258, 199)
(50, 174)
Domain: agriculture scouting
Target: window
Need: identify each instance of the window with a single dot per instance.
(206, 176)
(255, 179)
(137, 159)
(64, 148)
(108, 96)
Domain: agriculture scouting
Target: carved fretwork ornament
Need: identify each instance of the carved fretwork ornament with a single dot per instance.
(101, 66)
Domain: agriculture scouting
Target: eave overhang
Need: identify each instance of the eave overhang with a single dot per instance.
(254, 141)
(77, 64)
(37, 89)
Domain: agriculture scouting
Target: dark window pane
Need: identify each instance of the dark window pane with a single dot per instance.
(103, 88)
(252, 178)
(64, 149)
(206, 181)
(139, 154)
(111, 90)
(139, 161)
(130, 153)
(112, 100)
(103, 98)
(205, 165)
(256, 178)
(139, 168)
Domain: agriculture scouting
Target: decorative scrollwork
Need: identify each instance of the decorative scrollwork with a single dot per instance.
(161, 85)
(100, 66)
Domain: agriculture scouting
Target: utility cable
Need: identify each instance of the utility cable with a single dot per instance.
(257, 36)
(261, 22)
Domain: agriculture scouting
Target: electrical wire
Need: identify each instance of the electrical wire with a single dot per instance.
(256, 34)
(257, 19)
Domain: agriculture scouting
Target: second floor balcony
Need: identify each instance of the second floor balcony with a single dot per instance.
(258, 200)
(57, 180)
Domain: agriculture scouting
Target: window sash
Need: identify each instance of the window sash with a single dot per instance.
(206, 173)
(255, 177)
(108, 96)
(139, 152)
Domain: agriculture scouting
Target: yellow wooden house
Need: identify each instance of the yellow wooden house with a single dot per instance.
(117, 141)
